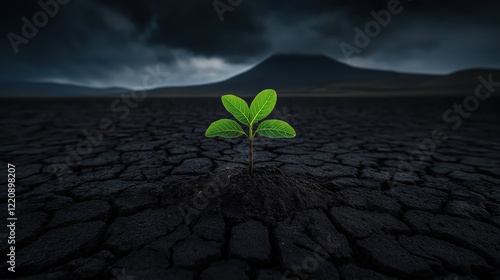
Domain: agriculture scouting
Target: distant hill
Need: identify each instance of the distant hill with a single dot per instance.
(462, 78)
(299, 71)
(33, 89)
(291, 74)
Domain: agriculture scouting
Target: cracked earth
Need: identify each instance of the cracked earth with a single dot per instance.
(126, 210)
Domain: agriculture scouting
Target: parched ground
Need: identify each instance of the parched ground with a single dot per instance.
(143, 201)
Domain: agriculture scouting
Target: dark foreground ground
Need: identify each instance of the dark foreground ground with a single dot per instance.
(153, 199)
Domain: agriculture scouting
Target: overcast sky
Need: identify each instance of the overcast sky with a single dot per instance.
(105, 43)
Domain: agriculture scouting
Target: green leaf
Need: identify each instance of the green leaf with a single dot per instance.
(224, 128)
(262, 105)
(275, 129)
(237, 107)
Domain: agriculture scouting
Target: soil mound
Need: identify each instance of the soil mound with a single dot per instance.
(269, 195)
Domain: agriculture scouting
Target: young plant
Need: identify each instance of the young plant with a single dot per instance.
(262, 105)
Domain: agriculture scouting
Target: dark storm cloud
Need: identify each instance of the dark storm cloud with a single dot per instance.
(110, 42)
(194, 26)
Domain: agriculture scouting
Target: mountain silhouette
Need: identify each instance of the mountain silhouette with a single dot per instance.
(47, 89)
(298, 71)
(294, 74)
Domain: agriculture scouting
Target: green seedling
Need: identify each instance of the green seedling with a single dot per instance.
(262, 105)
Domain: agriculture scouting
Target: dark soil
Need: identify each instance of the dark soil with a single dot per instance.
(270, 195)
(118, 214)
